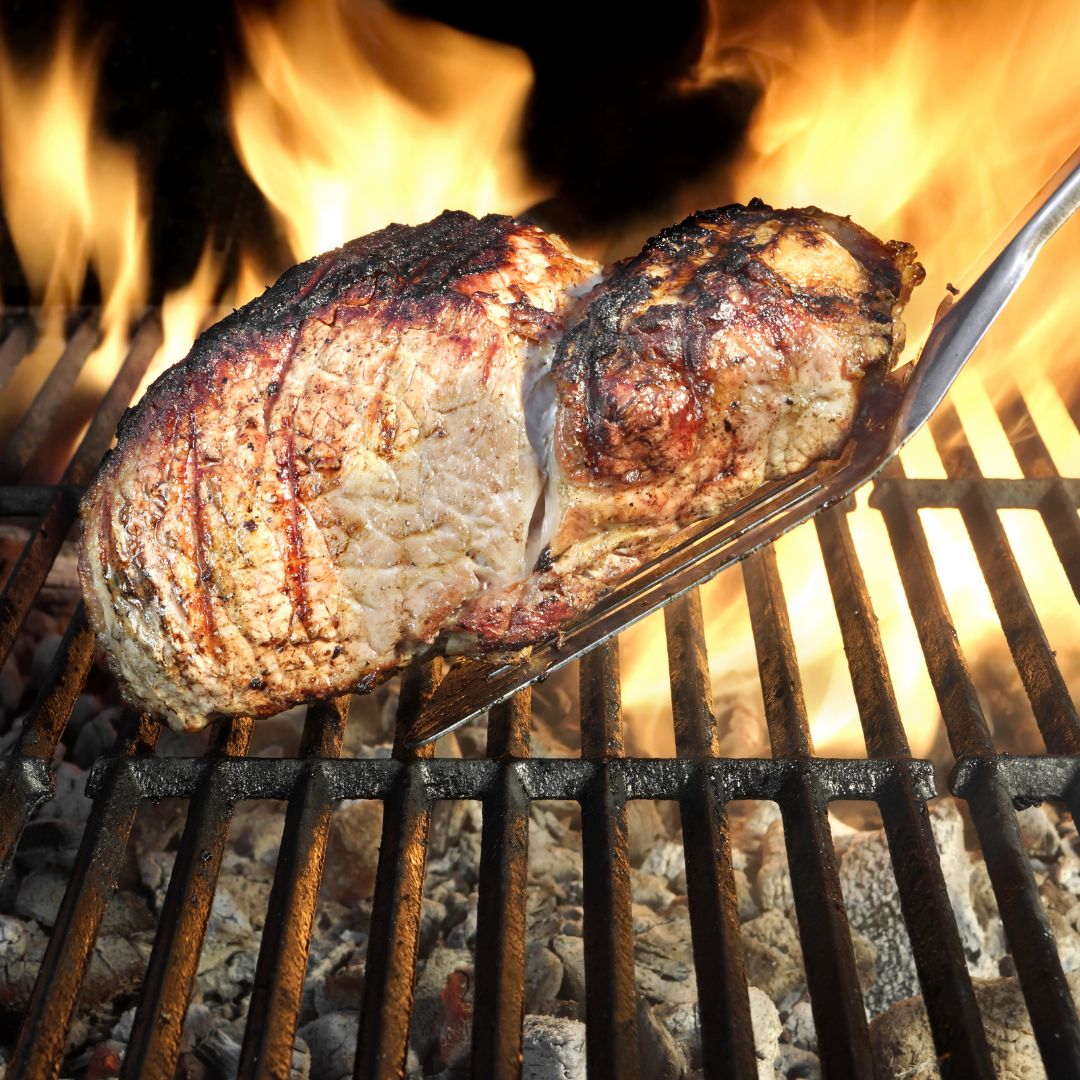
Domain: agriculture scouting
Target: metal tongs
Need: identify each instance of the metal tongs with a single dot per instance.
(703, 550)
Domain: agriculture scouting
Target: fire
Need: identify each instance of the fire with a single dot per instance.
(352, 118)
(928, 122)
(932, 123)
(72, 203)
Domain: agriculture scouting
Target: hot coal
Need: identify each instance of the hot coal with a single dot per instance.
(669, 1034)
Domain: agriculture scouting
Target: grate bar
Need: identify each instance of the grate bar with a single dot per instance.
(397, 902)
(42, 730)
(144, 345)
(48, 534)
(1058, 512)
(26, 439)
(39, 1052)
(558, 778)
(1054, 710)
(727, 1041)
(965, 725)
(19, 341)
(1029, 780)
(31, 500)
(154, 1043)
(1038, 965)
(290, 913)
(935, 940)
(832, 978)
(499, 998)
(611, 1030)
(1003, 492)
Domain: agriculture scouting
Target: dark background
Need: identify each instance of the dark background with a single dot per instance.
(610, 124)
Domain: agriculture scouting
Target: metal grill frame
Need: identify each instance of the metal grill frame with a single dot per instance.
(602, 781)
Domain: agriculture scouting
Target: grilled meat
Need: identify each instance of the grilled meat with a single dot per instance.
(439, 434)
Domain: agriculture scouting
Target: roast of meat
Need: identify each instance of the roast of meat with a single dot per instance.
(458, 435)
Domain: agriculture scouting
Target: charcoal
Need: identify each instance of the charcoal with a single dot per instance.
(650, 890)
(341, 989)
(571, 951)
(666, 858)
(903, 1045)
(554, 1049)
(331, 1043)
(325, 957)
(664, 962)
(767, 1027)
(219, 1052)
(433, 985)
(795, 1063)
(774, 879)
(661, 1056)
(572, 920)
(799, 1027)
(774, 958)
(956, 862)
(1063, 911)
(683, 1023)
(95, 738)
(352, 849)
(45, 842)
(105, 1060)
(543, 976)
(40, 894)
(645, 829)
(749, 908)
(1040, 834)
(22, 945)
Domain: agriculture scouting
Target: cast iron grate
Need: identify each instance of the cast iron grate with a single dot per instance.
(702, 781)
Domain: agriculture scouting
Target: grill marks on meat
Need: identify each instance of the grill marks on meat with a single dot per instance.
(729, 352)
(334, 471)
(372, 455)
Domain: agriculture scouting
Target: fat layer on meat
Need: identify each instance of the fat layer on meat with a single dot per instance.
(431, 435)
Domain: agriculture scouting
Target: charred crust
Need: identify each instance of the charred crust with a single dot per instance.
(632, 392)
(413, 271)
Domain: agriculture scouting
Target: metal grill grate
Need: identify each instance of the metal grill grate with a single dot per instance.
(702, 781)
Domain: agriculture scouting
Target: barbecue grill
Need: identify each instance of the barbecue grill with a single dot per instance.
(699, 778)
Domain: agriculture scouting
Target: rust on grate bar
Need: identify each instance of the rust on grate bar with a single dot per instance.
(40, 1049)
(290, 911)
(835, 996)
(602, 781)
(154, 1044)
(1038, 965)
(935, 939)
(393, 943)
(611, 1027)
(501, 908)
(727, 1041)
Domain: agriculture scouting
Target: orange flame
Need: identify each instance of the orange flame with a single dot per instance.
(934, 123)
(71, 198)
(928, 122)
(349, 122)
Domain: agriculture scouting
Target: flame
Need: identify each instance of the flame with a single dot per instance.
(72, 203)
(928, 122)
(348, 120)
(932, 123)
